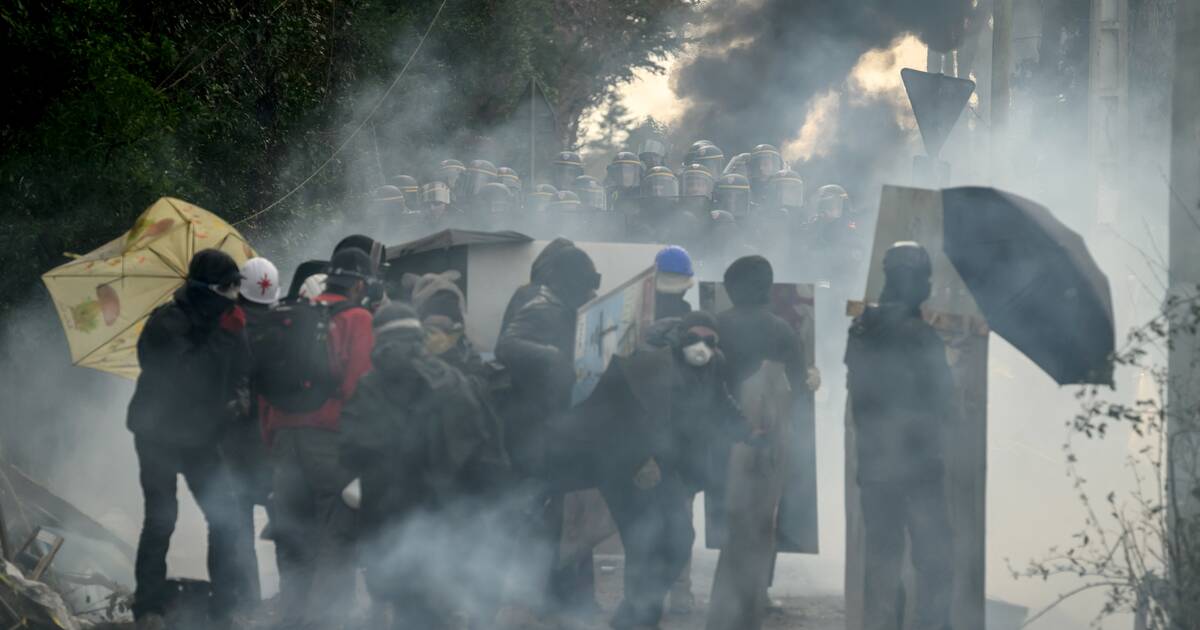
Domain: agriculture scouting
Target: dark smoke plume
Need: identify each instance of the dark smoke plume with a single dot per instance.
(760, 64)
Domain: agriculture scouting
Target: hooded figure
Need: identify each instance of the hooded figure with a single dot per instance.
(751, 333)
(538, 343)
(441, 307)
(644, 438)
(194, 360)
(537, 348)
(414, 435)
(538, 272)
(901, 396)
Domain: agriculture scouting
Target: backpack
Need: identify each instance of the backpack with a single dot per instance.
(293, 363)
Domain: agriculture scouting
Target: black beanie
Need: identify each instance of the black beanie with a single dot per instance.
(348, 267)
(748, 281)
(698, 318)
(396, 316)
(212, 266)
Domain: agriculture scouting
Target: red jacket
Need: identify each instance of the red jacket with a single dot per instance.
(350, 341)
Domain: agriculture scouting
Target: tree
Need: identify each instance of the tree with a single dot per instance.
(1139, 548)
(232, 104)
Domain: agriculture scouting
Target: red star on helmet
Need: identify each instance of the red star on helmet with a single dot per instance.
(264, 284)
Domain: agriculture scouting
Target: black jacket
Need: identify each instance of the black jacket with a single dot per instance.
(537, 348)
(901, 394)
(648, 405)
(415, 435)
(751, 334)
(192, 367)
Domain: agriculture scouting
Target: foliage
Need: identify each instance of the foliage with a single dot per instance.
(1142, 549)
(230, 104)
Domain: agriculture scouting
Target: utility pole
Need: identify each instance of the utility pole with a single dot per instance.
(1108, 103)
(1183, 429)
(1002, 20)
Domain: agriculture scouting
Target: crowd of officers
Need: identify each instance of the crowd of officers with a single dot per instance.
(441, 477)
(719, 210)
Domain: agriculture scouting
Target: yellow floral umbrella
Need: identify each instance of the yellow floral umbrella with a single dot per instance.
(104, 298)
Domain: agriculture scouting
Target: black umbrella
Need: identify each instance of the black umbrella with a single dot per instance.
(1034, 280)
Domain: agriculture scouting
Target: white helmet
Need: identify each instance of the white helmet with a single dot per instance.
(260, 281)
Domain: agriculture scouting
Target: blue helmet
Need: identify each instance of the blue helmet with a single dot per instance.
(674, 259)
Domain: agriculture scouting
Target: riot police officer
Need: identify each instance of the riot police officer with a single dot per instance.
(660, 183)
(535, 219)
(567, 166)
(705, 154)
(479, 174)
(765, 161)
(686, 226)
(624, 172)
(540, 198)
(494, 205)
(411, 189)
(733, 195)
(509, 178)
(435, 200)
(590, 192)
(652, 151)
(448, 172)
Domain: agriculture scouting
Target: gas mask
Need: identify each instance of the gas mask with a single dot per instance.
(440, 341)
(229, 292)
(698, 354)
(698, 346)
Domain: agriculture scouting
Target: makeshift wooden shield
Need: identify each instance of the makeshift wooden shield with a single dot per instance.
(796, 527)
(913, 214)
(611, 325)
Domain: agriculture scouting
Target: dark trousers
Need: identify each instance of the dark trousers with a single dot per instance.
(572, 582)
(160, 465)
(656, 531)
(892, 510)
(313, 528)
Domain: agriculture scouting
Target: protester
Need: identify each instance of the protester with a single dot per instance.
(192, 354)
(441, 307)
(414, 435)
(243, 447)
(314, 373)
(537, 347)
(673, 278)
(901, 392)
(538, 273)
(751, 333)
(688, 413)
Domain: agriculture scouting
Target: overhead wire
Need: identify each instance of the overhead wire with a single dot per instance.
(360, 127)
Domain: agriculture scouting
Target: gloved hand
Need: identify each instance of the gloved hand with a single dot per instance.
(648, 476)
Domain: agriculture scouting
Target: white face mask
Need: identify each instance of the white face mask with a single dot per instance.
(698, 354)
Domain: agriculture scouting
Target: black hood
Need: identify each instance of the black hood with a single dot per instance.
(212, 266)
(540, 270)
(202, 305)
(881, 319)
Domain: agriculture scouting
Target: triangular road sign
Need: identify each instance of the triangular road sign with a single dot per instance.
(937, 102)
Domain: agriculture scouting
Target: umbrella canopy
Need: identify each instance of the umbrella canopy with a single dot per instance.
(1034, 280)
(104, 298)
